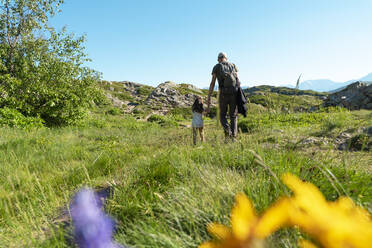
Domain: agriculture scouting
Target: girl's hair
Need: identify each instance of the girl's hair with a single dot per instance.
(198, 105)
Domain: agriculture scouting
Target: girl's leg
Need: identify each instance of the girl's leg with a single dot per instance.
(201, 131)
(194, 133)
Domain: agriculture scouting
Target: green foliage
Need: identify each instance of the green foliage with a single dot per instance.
(164, 191)
(12, 118)
(291, 102)
(42, 73)
(114, 111)
(326, 120)
(184, 89)
(247, 126)
(283, 91)
(162, 120)
(360, 142)
(254, 122)
(185, 113)
(145, 90)
(125, 96)
(336, 121)
(212, 112)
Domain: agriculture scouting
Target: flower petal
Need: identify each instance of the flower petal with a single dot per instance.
(209, 245)
(243, 217)
(219, 231)
(274, 218)
(306, 244)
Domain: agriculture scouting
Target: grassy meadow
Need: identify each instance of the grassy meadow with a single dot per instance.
(163, 190)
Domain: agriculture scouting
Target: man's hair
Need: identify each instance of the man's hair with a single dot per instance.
(222, 55)
(198, 105)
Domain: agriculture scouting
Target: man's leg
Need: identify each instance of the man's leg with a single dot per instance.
(233, 112)
(223, 111)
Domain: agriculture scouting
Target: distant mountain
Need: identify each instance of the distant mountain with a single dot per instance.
(326, 85)
(321, 85)
(367, 78)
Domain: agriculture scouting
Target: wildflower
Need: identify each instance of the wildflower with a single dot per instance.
(92, 227)
(334, 224)
(306, 244)
(248, 230)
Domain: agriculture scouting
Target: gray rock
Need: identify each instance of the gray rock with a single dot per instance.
(169, 95)
(313, 140)
(115, 101)
(354, 96)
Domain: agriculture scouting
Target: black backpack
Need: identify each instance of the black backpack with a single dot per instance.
(229, 76)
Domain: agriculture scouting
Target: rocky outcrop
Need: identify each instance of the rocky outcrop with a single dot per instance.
(172, 95)
(145, 100)
(355, 96)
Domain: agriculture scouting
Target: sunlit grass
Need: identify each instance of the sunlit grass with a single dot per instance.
(164, 190)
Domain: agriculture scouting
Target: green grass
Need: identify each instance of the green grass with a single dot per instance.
(165, 190)
(279, 101)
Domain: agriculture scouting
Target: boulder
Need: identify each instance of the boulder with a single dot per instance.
(355, 96)
(171, 95)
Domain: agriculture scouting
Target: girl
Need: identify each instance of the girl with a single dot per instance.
(197, 119)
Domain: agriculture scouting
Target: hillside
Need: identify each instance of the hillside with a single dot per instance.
(143, 101)
(285, 99)
(171, 98)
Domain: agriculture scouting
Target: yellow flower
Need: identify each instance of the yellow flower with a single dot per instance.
(338, 224)
(306, 244)
(248, 230)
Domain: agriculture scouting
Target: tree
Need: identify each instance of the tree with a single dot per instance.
(42, 71)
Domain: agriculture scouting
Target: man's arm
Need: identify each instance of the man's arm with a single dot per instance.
(236, 75)
(211, 88)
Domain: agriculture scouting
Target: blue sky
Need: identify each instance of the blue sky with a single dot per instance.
(271, 41)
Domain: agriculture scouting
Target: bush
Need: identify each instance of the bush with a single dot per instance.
(212, 112)
(186, 113)
(253, 121)
(144, 90)
(13, 118)
(113, 111)
(360, 142)
(41, 70)
(162, 120)
(247, 126)
(333, 121)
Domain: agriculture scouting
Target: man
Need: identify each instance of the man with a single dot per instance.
(228, 84)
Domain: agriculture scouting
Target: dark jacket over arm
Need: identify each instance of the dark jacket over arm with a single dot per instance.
(242, 101)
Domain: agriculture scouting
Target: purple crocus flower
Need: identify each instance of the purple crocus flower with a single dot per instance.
(92, 227)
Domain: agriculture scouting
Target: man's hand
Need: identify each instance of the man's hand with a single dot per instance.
(211, 87)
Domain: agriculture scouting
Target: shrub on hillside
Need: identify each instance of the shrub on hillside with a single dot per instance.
(247, 126)
(212, 112)
(144, 90)
(13, 118)
(185, 113)
(334, 121)
(162, 120)
(360, 142)
(113, 111)
(41, 72)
